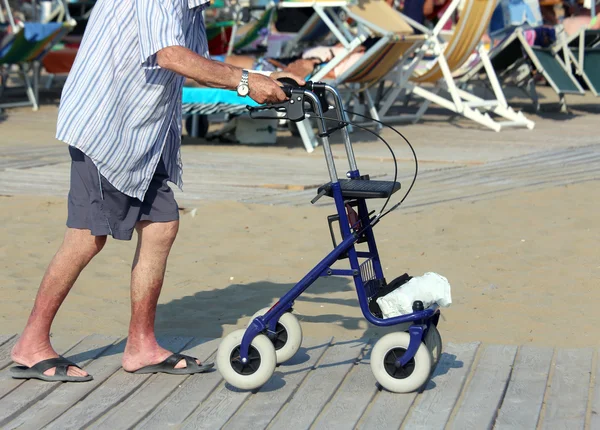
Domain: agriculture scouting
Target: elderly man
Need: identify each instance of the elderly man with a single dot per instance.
(120, 113)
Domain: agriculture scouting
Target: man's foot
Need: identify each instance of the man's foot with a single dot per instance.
(135, 359)
(29, 355)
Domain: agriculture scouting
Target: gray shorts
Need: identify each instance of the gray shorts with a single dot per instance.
(95, 205)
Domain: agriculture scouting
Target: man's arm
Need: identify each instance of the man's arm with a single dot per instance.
(191, 65)
(216, 74)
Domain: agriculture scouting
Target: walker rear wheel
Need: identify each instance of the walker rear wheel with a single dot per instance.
(256, 371)
(287, 337)
(405, 379)
(433, 341)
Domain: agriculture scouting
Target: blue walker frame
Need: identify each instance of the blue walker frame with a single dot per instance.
(362, 273)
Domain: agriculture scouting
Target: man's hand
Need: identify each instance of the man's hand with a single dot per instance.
(291, 75)
(264, 89)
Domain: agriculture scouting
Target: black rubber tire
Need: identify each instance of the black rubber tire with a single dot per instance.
(433, 342)
(202, 126)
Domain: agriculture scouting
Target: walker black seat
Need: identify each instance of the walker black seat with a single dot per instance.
(362, 189)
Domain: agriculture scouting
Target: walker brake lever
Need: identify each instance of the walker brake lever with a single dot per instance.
(293, 108)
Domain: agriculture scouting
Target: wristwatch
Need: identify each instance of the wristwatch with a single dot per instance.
(242, 88)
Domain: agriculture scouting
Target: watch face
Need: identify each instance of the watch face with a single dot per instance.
(243, 90)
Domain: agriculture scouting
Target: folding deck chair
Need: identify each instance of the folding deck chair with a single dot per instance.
(251, 32)
(584, 53)
(326, 11)
(397, 40)
(24, 49)
(516, 63)
(465, 39)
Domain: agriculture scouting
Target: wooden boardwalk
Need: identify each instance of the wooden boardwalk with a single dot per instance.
(327, 385)
(282, 180)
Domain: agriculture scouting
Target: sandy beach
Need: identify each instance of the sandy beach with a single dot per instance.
(524, 268)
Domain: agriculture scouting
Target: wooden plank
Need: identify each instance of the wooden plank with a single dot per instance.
(260, 408)
(5, 338)
(129, 412)
(33, 390)
(182, 402)
(442, 391)
(486, 389)
(566, 404)
(352, 399)
(113, 391)
(595, 418)
(525, 393)
(319, 386)
(5, 350)
(217, 409)
(65, 396)
(387, 411)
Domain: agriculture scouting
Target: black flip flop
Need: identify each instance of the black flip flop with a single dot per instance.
(60, 374)
(168, 366)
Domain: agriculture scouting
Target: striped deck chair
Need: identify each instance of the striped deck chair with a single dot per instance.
(25, 48)
(396, 41)
(198, 103)
(466, 39)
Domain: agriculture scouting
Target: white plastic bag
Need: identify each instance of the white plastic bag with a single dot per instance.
(430, 288)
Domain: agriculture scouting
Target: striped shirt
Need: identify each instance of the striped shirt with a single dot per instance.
(118, 106)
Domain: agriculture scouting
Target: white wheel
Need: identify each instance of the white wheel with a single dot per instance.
(288, 337)
(406, 379)
(433, 341)
(260, 366)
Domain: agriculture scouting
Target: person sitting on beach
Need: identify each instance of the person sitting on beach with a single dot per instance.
(120, 114)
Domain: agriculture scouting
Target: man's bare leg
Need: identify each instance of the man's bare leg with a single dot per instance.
(77, 250)
(147, 276)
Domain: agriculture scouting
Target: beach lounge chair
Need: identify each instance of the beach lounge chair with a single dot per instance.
(397, 41)
(243, 37)
(374, 18)
(517, 64)
(584, 53)
(326, 11)
(442, 76)
(313, 32)
(23, 49)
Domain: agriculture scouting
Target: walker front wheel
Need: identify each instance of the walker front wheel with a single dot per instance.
(287, 337)
(256, 371)
(405, 379)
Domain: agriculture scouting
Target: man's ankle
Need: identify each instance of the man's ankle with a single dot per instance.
(141, 342)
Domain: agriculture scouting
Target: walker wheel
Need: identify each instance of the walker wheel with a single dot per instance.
(287, 337)
(408, 378)
(433, 341)
(259, 368)
(203, 125)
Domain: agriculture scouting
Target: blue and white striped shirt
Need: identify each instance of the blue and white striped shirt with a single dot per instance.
(118, 106)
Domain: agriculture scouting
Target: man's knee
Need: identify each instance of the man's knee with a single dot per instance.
(165, 232)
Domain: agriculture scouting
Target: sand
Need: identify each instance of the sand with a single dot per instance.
(524, 268)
